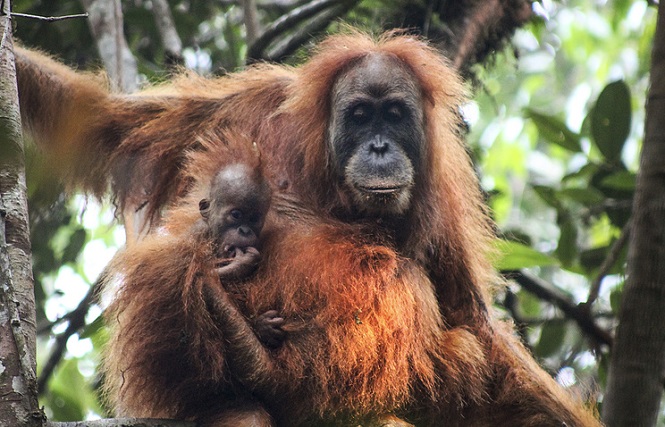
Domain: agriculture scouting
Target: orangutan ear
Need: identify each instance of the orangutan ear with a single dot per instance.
(204, 208)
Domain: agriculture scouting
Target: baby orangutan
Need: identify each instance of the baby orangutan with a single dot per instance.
(234, 213)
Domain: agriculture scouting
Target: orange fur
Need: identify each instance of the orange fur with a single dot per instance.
(381, 319)
(363, 327)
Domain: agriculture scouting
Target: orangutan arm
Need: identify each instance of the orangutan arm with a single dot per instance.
(250, 362)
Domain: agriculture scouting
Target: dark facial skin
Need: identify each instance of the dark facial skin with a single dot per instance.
(376, 134)
(235, 212)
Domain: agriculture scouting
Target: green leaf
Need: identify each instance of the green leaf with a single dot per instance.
(65, 389)
(514, 256)
(622, 180)
(591, 259)
(551, 338)
(566, 250)
(93, 328)
(585, 172)
(603, 368)
(530, 305)
(585, 129)
(548, 194)
(73, 249)
(585, 196)
(610, 120)
(554, 130)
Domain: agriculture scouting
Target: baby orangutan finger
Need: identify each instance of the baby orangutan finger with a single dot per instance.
(267, 327)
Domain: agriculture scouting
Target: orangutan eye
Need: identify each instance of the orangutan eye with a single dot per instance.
(361, 114)
(393, 113)
(236, 214)
(204, 204)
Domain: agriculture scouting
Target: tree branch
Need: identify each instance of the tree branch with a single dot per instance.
(547, 292)
(167, 32)
(49, 18)
(284, 24)
(607, 264)
(251, 18)
(587, 213)
(76, 320)
(301, 36)
(106, 26)
(510, 302)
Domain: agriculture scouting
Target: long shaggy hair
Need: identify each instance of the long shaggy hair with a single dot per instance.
(381, 317)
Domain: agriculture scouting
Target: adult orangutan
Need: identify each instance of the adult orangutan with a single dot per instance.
(380, 270)
(193, 323)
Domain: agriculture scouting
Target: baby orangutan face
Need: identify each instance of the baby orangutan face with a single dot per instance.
(235, 212)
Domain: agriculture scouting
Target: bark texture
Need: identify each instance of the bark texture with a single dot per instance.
(636, 371)
(18, 386)
(106, 26)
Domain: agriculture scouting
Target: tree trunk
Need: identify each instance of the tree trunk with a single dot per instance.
(251, 20)
(106, 26)
(167, 31)
(638, 358)
(18, 385)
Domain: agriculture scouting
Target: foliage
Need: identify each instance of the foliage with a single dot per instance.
(558, 129)
(555, 128)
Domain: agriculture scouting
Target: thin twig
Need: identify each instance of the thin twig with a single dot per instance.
(48, 18)
(607, 264)
(46, 326)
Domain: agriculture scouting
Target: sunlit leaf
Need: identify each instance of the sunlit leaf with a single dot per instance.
(566, 250)
(587, 196)
(92, 328)
(610, 120)
(65, 392)
(622, 180)
(530, 305)
(548, 194)
(554, 130)
(603, 367)
(97, 332)
(585, 172)
(514, 256)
